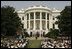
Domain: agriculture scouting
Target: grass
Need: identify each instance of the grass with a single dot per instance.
(34, 44)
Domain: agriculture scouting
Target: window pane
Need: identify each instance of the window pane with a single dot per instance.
(27, 16)
(37, 15)
(31, 15)
(43, 15)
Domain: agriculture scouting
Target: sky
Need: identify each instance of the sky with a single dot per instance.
(24, 4)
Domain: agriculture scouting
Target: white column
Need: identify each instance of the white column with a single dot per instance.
(50, 21)
(40, 23)
(25, 21)
(40, 20)
(29, 21)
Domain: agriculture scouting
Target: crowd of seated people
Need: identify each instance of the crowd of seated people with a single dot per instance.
(13, 43)
(50, 43)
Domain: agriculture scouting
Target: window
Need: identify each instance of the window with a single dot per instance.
(53, 26)
(47, 16)
(37, 15)
(31, 15)
(43, 15)
(22, 18)
(27, 16)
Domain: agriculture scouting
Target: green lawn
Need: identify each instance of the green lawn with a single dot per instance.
(34, 44)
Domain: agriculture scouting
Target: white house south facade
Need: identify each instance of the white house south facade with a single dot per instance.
(38, 19)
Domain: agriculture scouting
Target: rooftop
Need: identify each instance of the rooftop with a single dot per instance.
(39, 7)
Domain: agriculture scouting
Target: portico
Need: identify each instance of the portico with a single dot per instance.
(38, 19)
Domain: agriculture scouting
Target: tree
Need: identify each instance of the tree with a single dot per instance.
(53, 33)
(64, 21)
(9, 20)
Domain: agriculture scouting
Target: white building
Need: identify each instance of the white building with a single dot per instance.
(38, 19)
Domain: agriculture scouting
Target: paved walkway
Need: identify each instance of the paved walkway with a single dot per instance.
(39, 38)
(34, 44)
